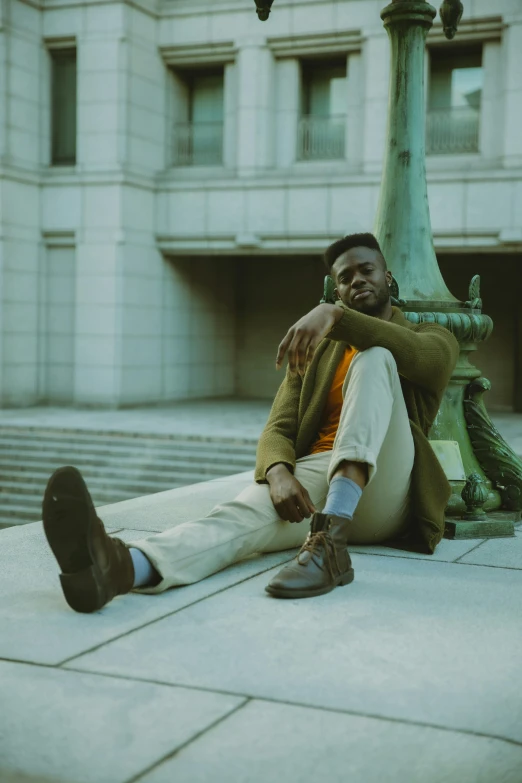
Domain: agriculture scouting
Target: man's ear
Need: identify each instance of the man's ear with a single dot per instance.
(336, 293)
(389, 277)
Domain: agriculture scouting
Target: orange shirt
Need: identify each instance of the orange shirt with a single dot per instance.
(334, 404)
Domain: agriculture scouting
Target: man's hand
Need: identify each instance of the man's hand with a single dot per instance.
(291, 500)
(304, 336)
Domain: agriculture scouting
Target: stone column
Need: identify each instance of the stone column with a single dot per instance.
(230, 108)
(375, 66)
(177, 114)
(123, 116)
(20, 210)
(288, 89)
(492, 100)
(255, 116)
(354, 109)
(513, 92)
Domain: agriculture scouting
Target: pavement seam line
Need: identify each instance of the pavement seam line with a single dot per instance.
(174, 753)
(337, 710)
(481, 543)
(444, 562)
(490, 565)
(168, 614)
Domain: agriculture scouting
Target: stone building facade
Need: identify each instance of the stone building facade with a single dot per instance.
(172, 170)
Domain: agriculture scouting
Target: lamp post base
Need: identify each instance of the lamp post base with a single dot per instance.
(498, 524)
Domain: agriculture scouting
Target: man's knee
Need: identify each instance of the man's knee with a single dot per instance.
(376, 355)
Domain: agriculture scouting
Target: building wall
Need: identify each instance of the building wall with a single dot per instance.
(199, 328)
(273, 294)
(161, 263)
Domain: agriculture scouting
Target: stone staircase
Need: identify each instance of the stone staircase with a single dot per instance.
(116, 466)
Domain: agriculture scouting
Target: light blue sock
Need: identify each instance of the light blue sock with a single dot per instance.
(343, 496)
(144, 572)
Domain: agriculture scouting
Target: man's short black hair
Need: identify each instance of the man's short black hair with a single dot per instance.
(336, 249)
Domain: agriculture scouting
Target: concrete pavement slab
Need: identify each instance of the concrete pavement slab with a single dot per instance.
(500, 552)
(164, 510)
(432, 643)
(447, 551)
(63, 726)
(36, 623)
(267, 742)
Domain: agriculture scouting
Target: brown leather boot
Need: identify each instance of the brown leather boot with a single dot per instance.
(94, 566)
(322, 564)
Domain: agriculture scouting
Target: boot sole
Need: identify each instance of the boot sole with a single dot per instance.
(345, 579)
(83, 590)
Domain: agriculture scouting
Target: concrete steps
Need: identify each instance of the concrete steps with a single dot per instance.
(116, 466)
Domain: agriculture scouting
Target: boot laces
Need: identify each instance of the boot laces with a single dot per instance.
(316, 541)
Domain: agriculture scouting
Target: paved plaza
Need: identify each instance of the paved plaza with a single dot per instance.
(409, 675)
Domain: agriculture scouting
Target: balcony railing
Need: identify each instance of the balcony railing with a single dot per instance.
(198, 144)
(321, 138)
(451, 131)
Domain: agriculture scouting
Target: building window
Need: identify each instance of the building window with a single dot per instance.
(322, 124)
(455, 95)
(198, 141)
(63, 107)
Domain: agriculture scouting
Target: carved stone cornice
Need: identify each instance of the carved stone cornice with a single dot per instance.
(339, 42)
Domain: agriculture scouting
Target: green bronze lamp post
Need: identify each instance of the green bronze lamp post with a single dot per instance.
(487, 485)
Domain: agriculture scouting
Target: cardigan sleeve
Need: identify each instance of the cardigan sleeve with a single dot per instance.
(426, 354)
(277, 441)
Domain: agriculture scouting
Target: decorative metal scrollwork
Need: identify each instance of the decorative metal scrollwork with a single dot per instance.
(498, 460)
(467, 327)
(329, 288)
(474, 495)
(474, 302)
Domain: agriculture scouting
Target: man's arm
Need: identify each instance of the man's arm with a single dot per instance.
(425, 357)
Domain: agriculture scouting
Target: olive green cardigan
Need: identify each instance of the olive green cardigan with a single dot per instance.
(426, 355)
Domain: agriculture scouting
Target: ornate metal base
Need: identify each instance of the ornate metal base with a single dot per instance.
(498, 524)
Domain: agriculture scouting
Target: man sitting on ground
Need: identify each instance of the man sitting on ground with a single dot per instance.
(345, 445)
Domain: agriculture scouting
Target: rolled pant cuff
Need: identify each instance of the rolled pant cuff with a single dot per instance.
(150, 589)
(352, 454)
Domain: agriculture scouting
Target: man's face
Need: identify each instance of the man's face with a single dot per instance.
(362, 283)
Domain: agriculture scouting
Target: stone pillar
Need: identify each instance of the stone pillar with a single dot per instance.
(20, 210)
(177, 113)
(354, 110)
(254, 108)
(230, 124)
(4, 87)
(288, 89)
(513, 92)
(492, 98)
(123, 116)
(376, 58)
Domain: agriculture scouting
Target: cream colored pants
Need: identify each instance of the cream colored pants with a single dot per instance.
(374, 428)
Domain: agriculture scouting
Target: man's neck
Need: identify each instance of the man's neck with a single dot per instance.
(386, 314)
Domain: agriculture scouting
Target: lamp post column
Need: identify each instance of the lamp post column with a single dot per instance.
(403, 228)
(403, 223)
